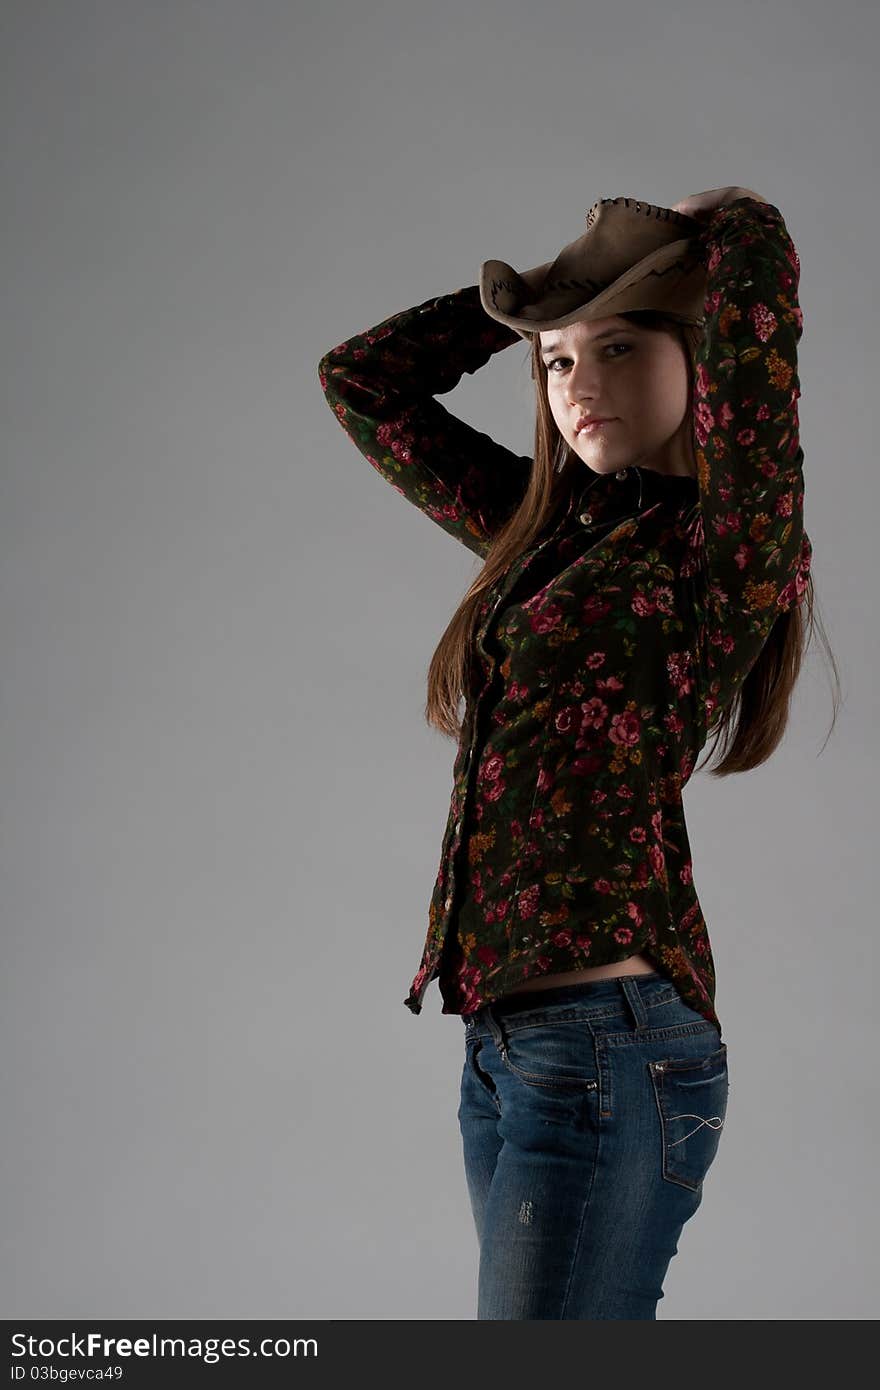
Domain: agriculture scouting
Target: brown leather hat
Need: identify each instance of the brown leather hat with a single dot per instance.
(633, 255)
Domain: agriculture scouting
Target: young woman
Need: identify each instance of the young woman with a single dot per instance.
(642, 587)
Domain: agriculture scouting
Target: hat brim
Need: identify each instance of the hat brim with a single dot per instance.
(668, 279)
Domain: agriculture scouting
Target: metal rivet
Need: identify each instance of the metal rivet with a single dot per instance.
(586, 518)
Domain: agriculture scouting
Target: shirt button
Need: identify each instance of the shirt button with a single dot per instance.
(586, 518)
(621, 474)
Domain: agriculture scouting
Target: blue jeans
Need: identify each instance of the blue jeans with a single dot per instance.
(589, 1115)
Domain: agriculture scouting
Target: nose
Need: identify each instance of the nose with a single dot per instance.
(584, 382)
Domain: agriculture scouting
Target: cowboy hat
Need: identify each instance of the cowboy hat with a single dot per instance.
(633, 255)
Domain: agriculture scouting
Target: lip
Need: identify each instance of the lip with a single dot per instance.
(589, 425)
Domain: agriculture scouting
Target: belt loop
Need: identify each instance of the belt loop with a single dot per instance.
(495, 1028)
(630, 986)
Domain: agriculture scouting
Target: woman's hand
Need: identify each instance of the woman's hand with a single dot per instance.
(701, 205)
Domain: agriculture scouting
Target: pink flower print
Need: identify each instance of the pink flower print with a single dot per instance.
(527, 902)
(593, 714)
(724, 640)
(625, 728)
(678, 666)
(401, 447)
(764, 321)
(492, 768)
(730, 524)
(785, 504)
(594, 608)
(663, 598)
(643, 605)
(704, 422)
(564, 720)
(658, 861)
(742, 555)
(547, 620)
(421, 976)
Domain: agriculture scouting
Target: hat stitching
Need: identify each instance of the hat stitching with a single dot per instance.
(589, 284)
(646, 209)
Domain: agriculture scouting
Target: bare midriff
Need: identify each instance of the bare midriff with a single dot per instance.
(633, 965)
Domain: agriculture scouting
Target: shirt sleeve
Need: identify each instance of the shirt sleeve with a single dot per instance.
(381, 387)
(749, 534)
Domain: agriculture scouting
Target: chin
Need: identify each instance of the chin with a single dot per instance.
(601, 464)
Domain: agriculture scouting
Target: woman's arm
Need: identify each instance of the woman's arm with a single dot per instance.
(381, 386)
(750, 529)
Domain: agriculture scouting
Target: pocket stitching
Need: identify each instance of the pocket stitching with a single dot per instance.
(548, 1079)
(672, 1065)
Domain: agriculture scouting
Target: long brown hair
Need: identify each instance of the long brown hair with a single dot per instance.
(752, 725)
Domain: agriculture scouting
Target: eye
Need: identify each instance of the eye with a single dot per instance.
(626, 346)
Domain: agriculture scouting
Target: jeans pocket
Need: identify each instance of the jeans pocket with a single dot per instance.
(554, 1056)
(691, 1095)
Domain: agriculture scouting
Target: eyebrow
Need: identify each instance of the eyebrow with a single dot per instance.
(608, 333)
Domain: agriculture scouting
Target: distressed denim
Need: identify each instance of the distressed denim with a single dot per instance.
(590, 1115)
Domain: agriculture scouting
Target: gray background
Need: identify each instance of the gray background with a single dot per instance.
(221, 807)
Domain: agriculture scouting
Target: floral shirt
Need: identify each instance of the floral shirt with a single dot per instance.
(607, 647)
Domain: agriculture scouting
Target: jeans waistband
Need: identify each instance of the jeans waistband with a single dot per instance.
(602, 998)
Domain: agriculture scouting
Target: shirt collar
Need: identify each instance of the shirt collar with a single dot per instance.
(625, 491)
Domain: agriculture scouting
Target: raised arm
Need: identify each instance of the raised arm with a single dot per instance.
(381, 387)
(749, 529)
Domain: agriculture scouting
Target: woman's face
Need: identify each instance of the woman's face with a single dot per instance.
(635, 375)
